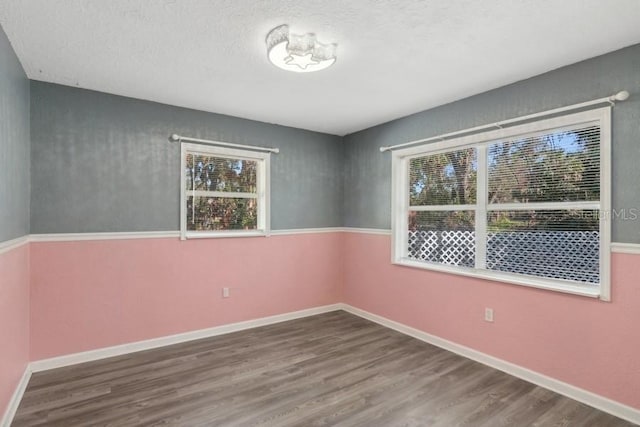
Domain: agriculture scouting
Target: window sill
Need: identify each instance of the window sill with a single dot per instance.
(222, 234)
(514, 279)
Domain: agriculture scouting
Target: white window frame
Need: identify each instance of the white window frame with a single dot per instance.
(400, 201)
(263, 190)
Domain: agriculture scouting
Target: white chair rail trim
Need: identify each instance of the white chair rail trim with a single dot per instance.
(6, 246)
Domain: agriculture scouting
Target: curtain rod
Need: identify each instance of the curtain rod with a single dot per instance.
(620, 96)
(178, 138)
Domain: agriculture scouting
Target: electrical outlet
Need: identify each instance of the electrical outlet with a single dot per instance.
(488, 314)
(225, 292)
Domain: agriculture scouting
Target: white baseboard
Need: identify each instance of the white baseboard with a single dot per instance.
(118, 350)
(599, 402)
(10, 412)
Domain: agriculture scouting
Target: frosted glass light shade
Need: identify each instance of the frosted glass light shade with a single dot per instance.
(298, 53)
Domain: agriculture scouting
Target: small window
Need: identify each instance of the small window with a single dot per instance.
(526, 205)
(224, 192)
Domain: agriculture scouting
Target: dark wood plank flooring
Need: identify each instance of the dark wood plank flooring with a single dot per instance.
(331, 369)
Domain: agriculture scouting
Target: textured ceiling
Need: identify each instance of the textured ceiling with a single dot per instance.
(394, 57)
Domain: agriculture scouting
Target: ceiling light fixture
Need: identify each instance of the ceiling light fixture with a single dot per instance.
(298, 53)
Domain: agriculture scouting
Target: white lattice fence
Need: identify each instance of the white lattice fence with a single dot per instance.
(569, 255)
(444, 247)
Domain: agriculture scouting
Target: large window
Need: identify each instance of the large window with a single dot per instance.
(528, 205)
(224, 192)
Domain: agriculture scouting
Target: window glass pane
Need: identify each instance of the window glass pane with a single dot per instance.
(445, 237)
(443, 179)
(559, 244)
(210, 173)
(553, 167)
(221, 213)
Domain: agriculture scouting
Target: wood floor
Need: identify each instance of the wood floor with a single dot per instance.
(330, 369)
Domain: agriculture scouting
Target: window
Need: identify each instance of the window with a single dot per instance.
(224, 192)
(527, 205)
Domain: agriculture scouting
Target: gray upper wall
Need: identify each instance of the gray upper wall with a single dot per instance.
(14, 144)
(102, 163)
(368, 172)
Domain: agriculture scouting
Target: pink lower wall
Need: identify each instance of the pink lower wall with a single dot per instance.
(590, 344)
(14, 320)
(91, 294)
